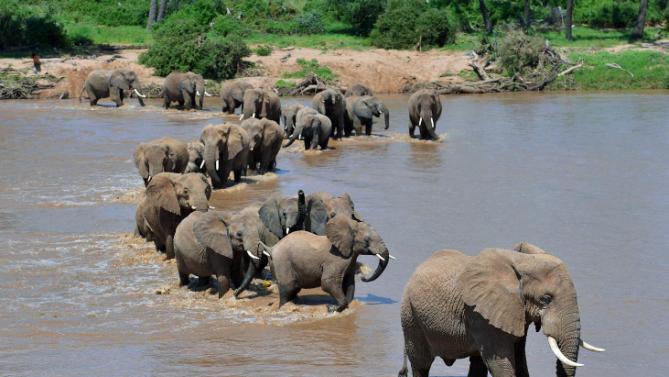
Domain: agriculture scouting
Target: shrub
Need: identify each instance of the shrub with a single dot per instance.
(396, 27)
(312, 66)
(221, 59)
(361, 14)
(309, 23)
(225, 26)
(264, 50)
(109, 12)
(518, 52)
(610, 13)
(281, 84)
(435, 28)
(29, 26)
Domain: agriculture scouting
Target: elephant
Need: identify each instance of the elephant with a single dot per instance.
(185, 88)
(160, 155)
(265, 138)
(232, 95)
(104, 84)
(226, 148)
(331, 103)
(456, 306)
(195, 157)
(360, 111)
(306, 260)
(314, 128)
(334, 205)
(202, 248)
(423, 105)
(261, 103)
(247, 233)
(359, 90)
(289, 116)
(285, 215)
(170, 197)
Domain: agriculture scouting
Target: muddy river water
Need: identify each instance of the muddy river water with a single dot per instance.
(585, 176)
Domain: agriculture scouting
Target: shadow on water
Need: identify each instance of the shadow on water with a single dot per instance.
(372, 299)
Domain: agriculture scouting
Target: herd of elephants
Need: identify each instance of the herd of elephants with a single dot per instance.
(454, 306)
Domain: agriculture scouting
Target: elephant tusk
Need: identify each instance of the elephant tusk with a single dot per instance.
(241, 116)
(432, 120)
(253, 116)
(193, 207)
(556, 350)
(149, 179)
(590, 347)
(207, 94)
(139, 94)
(217, 164)
(251, 255)
(266, 253)
(287, 230)
(420, 120)
(391, 257)
(380, 257)
(202, 164)
(197, 93)
(212, 207)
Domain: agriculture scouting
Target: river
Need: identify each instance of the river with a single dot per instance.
(585, 176)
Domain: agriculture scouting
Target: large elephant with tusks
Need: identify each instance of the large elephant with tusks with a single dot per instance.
(424, 112)
(111, 84)
(226, 148)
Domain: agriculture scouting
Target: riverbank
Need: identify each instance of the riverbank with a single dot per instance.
(637, 66)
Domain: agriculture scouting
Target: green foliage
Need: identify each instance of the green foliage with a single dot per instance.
(309, 23)
(100, 34)
(360, 14)
(308, 67)
(282, 84)
(106, 12)
(264, 50)
(608, 13)
(518, 52)
(435, 27)
(29, 26)
(224, 26)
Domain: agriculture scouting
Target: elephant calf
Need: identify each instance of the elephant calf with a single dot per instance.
(169, 198)
(359, 90)
(160, 155)
(360, 111)
(289, 117)
(330, 102)
(305, 260)
(457, 306)
(202, 248)
(195, 157)
(314, 128)
(265, 138)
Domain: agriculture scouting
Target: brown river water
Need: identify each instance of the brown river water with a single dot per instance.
(585, 176)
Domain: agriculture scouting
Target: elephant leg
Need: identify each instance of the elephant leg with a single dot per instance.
(307, 142)
(521, 360)
(334, 287)
(181, 269)
(477, 367)
(368, 127)
(349, 288)
(223, 284)
(203, 281)
(166, 102)
(169, 247)
(238, 175)
(287, 292)
(500, 365)
(314, 141)
(115, 96)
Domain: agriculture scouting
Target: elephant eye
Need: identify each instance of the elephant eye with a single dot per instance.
(239, 233)
(185, 192)
(545, 299)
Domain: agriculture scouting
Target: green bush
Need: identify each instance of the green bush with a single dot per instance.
(309, 23)
(308, 67)
(435, 28)
(264, 50)
(29, 26)
(609, 13)
(107, 12)
(396, 27)
(225, 26)
(518, 52)
(361, 14)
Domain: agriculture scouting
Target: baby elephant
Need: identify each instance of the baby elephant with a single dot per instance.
(202, 248)
(305, 260)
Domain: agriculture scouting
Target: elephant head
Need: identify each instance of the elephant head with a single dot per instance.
(199, 89)
(327, 99)
(153, 158)
(289, 116)
(368, 107)
(124, 79)
(284, 215)
(256, 130)
(428, 108)
(253, 103)
(352, 238)
(359, 90)
(512, 289)
(179, 194)
(195, 157)
(221, 142)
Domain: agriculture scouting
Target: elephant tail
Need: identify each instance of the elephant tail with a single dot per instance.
(83, 87)
(404, 372)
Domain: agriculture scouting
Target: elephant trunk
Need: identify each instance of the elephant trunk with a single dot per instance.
(200, 101)
(295, 135)
(562, 327)
(384, 257)
(200, 203)
(251, 271)
(301, 210)
(211, 157)
(568, 344)
(386, 117)
(429, 124)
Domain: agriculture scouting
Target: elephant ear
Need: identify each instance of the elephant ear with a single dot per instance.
(138, 156)
(491, 286)
(317, 216)
(119, 80)
(162, 193)
(236, 141)
(341, 232)
(211, 232)
(528, 248)
(269, 215)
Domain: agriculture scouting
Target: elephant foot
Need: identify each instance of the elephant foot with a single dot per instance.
(404, 372)
(332, 308)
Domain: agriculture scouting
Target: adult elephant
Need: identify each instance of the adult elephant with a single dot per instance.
(289, 117)
(202, 248)
(314, 128)
(261, 103)
(170, 197)
(359, 90)
(424, 112)
(232, 95)
(456, 306)
(265, 138)
(111, 84)
(330, 102)
(195, 157)
(226, 148)
(360, 111)
(247, 234)
(161, 155)
(185, 88)
(305, 260)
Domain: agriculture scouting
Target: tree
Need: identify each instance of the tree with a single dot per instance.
(486, 16)
(161, 10)
(152, 14)
(527, 17)
(641, 20)
(569, 21)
